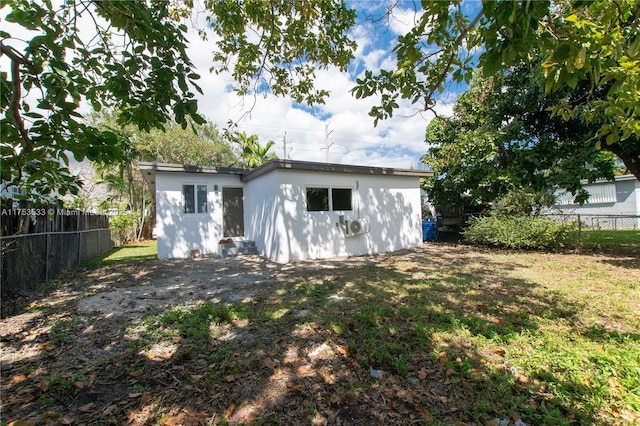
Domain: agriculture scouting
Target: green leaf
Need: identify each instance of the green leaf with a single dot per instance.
(562, 52)
(572, 81)
(64, 158)
(491, 62)
(580, 59)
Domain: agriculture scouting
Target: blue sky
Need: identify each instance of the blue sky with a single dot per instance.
(397, 142)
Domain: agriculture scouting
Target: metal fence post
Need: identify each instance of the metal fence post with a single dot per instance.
(46, 257)
(579, 230)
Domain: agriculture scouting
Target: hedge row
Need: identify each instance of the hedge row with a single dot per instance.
(521, 232)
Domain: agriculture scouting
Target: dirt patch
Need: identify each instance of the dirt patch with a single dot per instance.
(241, 279)
(205, 282)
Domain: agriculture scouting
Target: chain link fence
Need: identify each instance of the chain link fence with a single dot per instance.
(28, 259)
(599, 221)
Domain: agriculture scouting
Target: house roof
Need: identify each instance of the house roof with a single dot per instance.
(619, 178)
(149, 169)
(278, 164)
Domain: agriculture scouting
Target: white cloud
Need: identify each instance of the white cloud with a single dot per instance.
(374, 59)
(402, 20)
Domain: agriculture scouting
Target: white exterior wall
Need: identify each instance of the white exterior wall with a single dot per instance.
(179, 233)
(261, 213)
(284, 230)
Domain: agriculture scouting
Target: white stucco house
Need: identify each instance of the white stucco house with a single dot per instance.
(617, 200)
(292, 210)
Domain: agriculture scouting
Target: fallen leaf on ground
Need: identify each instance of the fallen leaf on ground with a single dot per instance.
(342, 350)
(408, 396)
(145, 398)
(109, 409)
(18, 378)
(425, 414)
(27, 422)
(87, 407)
(229, 411)
(270, 363)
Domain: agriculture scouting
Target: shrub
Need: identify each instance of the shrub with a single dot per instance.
(521, 232)
(123, 227)
(523, 202)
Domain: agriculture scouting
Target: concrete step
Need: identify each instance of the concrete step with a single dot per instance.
(237, 248)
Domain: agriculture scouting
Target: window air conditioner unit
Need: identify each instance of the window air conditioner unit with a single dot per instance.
(356, 227)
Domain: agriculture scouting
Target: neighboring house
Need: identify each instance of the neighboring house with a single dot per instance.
(620, 198)
(293, 210)
(11, 192)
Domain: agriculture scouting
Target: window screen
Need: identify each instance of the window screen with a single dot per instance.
(598, 194)
(202, 198)
(317, 199)
(195, 198)
(605, 193)
(189, 199)
(341, 198)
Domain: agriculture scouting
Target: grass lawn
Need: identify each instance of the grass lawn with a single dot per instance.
(443, 335)
(143, 250)
(621, 240)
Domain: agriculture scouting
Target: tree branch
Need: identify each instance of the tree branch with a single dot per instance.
(456, 43)
(14, 105)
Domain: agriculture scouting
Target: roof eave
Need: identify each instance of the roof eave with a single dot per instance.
(331, 168)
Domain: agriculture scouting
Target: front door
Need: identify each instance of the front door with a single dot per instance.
(232, 212)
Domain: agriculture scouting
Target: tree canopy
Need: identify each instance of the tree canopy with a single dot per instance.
(134, 59)
(504, 142)
(592, 42)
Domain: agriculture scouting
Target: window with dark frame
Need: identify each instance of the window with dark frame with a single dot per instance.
(341, 199)
(318, 199)
(201, 196)
(195, 198)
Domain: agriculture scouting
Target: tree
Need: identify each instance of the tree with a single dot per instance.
(253, 154)
(503, 143)
(198, 145)
(594, 43)
(135, 61)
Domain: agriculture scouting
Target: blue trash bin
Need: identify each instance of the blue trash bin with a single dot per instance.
(429, 230)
